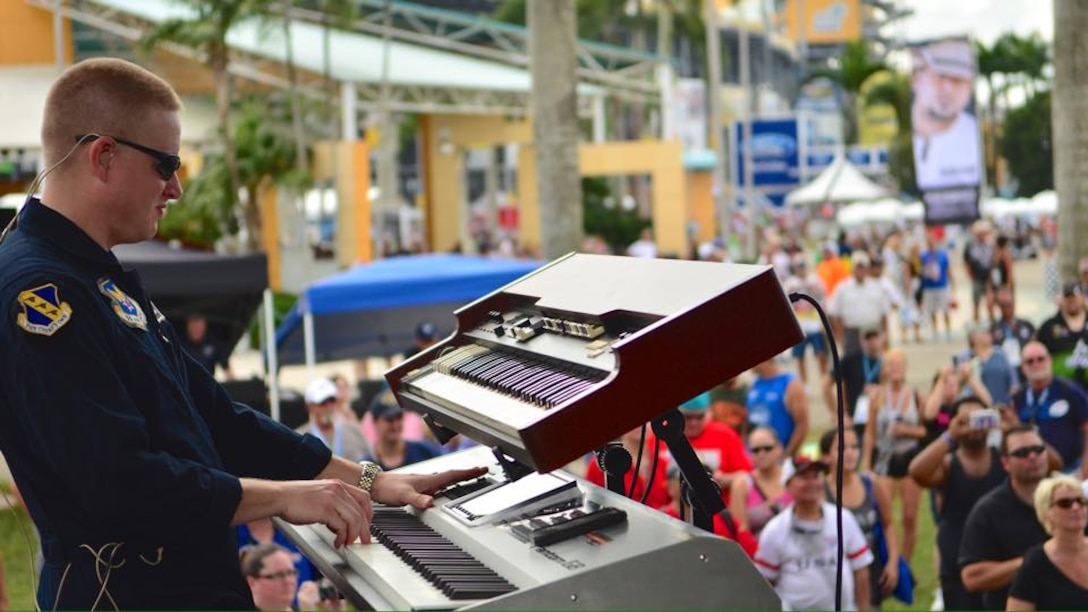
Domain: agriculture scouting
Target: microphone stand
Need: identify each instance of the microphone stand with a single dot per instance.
(705, 496)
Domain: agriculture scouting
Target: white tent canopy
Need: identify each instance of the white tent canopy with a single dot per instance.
(839, 183)
(886, 211)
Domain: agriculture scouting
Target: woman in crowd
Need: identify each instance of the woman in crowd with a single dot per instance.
(1054, 574)
(1001, 273)
(893, 436)
(273, 580)
(867, 502)
(757, 497)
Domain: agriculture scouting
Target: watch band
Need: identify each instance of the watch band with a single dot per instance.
(369, 473)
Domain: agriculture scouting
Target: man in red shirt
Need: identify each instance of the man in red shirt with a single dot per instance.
(718, 446)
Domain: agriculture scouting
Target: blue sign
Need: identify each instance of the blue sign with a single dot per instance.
(776, 159)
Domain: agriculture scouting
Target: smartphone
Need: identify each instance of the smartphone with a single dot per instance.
(985, 419)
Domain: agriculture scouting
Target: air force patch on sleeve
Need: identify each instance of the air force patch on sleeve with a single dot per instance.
(126, 308)
(43, 312)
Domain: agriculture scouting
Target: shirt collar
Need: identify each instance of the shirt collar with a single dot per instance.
(43, 222)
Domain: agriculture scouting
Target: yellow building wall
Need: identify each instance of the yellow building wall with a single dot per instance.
(270, 236)
(349, 164)
(701, 205)
(26, 35)
(446, 137)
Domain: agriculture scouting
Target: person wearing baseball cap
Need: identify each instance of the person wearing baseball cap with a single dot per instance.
(798, 548)
(946, 135)
(323, 404)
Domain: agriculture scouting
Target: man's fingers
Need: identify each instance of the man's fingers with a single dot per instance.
(421, 501)
(444, 479)
(362, 498)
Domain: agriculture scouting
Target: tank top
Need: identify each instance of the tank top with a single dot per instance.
(761, 510)
(767, 405)
(865, 513)
(900, 409)
(961, 493)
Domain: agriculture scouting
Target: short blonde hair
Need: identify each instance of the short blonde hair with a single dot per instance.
(1044, 494)
(102, 96)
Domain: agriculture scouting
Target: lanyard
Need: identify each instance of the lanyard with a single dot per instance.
(1034, 406)
(337, 438)
(871, 368)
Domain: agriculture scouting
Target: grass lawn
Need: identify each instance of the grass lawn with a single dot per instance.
(19, 568)
(923, 566)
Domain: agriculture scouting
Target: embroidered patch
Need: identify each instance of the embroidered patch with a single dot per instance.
(43, 312)
(124, 307)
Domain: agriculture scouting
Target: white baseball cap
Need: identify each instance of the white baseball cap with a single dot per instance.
(320, 391)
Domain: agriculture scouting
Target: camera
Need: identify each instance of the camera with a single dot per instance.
(985, 419)
(326, 591)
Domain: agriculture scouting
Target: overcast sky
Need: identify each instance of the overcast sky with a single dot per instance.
(984, 19)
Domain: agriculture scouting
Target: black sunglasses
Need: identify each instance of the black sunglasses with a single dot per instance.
(1067, 502)
(167, 166)
(1027, 451)
(762, 449)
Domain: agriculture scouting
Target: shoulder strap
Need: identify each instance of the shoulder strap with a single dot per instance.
(758, 489)
(870, 492)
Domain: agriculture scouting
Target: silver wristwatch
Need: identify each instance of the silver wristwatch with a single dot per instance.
(370, 472)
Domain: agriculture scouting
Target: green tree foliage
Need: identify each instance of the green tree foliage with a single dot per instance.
(265, 154)
(1027, 145)
(855, 66)
(604, 217)
(897, 94)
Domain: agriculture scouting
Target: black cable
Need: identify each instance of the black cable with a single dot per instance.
(653, 470)
(638, 462)
(841, 432)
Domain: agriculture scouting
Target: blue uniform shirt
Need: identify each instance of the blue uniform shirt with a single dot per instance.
(122, 445)
(767, 405)
(1059, 411)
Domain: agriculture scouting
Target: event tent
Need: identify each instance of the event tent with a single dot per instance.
(839, 183)
(886, 211)
(224, 289)
(373, 309)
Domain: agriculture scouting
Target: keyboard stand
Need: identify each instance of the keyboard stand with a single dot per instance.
(615, 462)
(706, 497)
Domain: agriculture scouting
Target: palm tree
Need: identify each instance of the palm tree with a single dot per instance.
(1070, 129)
(552, 48)
(896, 92)
(265, 155)
(206, 32)
(854, 68)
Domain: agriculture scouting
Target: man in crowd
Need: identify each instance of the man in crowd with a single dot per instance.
(203, 348)
(1010, 332)
(962, 468)
(978, 260)
(1065, 336)
(1003, 525)
(938, 284)
(859, 303)
(1054, 405)
(326, 422)
(719, 447)
(391, 449)
(859, 372)
(777, 399)
(426, 336)
(134, 462)
(797, 548)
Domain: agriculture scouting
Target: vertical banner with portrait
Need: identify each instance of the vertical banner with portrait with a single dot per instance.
(947, 144)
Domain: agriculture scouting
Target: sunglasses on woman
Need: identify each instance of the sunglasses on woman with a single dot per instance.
(1066, 503)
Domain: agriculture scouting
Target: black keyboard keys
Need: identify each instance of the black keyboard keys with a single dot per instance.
(456, 573)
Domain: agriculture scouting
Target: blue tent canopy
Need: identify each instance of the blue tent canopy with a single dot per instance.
(373, 309)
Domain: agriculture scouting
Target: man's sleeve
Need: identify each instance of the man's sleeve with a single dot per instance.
(68, 399)
(858, 553)
(979, 543)
(250, 443)
(734, 459)
(768, 557)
